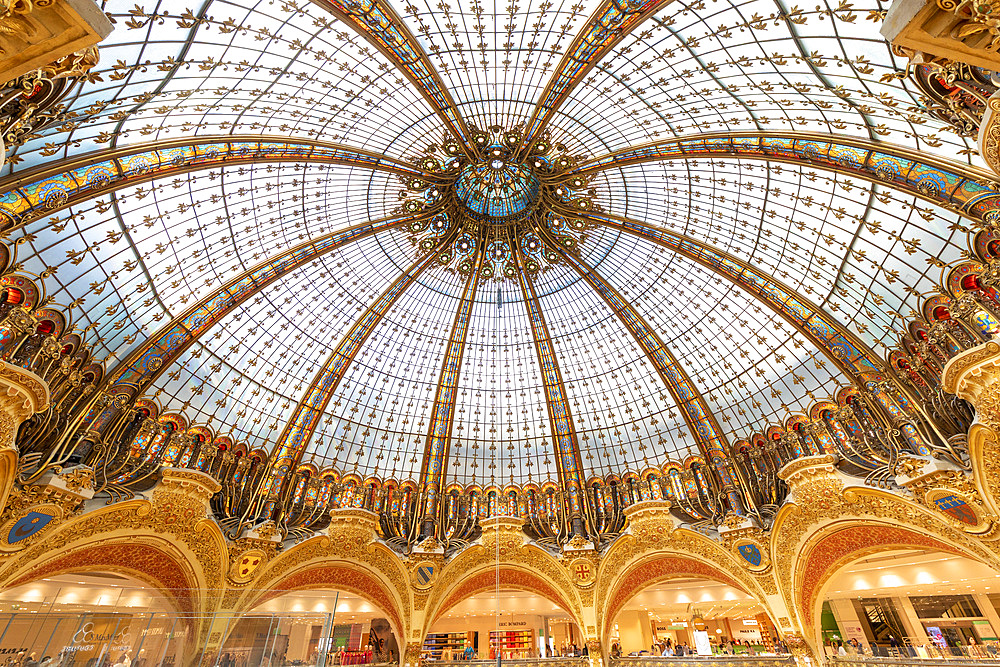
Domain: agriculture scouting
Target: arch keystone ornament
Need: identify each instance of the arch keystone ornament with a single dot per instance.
(753, 554)
(25, 525)
(964, 513)
(945, 488)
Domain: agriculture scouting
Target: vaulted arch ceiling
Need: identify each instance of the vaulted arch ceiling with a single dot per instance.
(356, 110)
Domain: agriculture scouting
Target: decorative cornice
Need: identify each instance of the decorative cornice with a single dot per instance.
(801, 470)
(354, 518)
(36, 34)
(23, 393)
(965, 371)
(974, 375)
(504, 525)
(648, 510)
(197, 483)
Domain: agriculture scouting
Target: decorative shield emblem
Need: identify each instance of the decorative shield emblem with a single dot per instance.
(957, 508)
(423, 574)
(751, 554)
(583, 572)
(29, 525)
(244, 568)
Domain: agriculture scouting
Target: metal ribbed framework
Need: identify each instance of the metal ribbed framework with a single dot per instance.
(252, 254)
(299, 430)
(567, 448)
(699, 418)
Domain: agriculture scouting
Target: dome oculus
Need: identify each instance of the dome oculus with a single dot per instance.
(518, 215)
(496, 190)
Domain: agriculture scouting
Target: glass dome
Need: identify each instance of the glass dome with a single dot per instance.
(353, 278)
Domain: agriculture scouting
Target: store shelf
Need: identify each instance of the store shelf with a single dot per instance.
(435, 643)
(518, 642)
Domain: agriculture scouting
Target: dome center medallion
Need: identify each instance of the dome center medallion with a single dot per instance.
(497, 191)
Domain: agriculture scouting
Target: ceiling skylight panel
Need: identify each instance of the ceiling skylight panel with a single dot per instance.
(598, 357)
(398, 365)
(500, 372)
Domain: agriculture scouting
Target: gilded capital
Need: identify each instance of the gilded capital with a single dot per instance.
(33, 35)
(359, 523)
(807, 470)
(22, 393)
(184, 495)
(973, 375)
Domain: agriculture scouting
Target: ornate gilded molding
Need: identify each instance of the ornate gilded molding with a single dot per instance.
(808, 469)
(989, 133)
(850, 522)
(955, 29)
(975, 376)
(36, 33)
(22, 394)
(354, 519)
(647, 511)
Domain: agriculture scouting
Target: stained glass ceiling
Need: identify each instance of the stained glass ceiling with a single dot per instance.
(135, 258)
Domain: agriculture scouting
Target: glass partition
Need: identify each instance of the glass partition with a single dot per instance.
(96, 620)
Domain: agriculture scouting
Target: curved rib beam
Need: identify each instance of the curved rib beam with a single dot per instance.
(300, 427)
(51, 188)
(608, 25)
(151, 359)
(951, 185)
(707, 433)
(563, 432)
(850, 354)
(381, 26)
(144, 364)
(443, 411)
